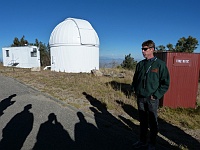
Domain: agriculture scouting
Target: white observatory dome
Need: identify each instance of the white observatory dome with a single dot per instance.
(74, 32)
(74, 47)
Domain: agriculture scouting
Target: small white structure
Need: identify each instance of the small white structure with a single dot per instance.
(22, 57)
(74, 47)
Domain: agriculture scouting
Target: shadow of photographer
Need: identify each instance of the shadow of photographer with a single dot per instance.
(53, 136)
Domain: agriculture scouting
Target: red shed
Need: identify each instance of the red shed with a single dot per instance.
(184, 69)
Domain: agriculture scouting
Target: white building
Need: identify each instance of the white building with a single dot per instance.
(22, 57)
(74, 47)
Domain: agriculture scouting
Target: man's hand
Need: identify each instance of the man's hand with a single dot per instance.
(153, 97)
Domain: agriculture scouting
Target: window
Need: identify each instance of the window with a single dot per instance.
(34, 52)
(7, 53)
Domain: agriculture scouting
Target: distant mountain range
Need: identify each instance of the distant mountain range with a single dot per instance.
(107, 62)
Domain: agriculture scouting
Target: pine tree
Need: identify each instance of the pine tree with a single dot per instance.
(129, 62)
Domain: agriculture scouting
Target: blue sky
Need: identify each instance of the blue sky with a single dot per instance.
(122, 25)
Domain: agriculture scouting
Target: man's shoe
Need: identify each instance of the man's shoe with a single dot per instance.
(139, 144)
(151, 147)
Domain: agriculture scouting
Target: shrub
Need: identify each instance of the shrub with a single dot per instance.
(129, 62)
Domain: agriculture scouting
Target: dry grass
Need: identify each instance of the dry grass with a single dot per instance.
(74, 89)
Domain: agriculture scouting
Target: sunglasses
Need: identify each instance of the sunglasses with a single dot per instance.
(145, 49)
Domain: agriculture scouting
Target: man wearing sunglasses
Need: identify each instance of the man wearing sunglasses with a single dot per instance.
(150, 83)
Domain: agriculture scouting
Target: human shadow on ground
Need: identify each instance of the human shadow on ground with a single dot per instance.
(52, 136)
(5, 103)
(132, 112)
(17, 129)
(125, 88)
(171, 132)
(88, 136)
(118, 135)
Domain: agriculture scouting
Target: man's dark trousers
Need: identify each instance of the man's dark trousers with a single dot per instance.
(148, 118)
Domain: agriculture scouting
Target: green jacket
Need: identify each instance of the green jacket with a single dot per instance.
(151, 78)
